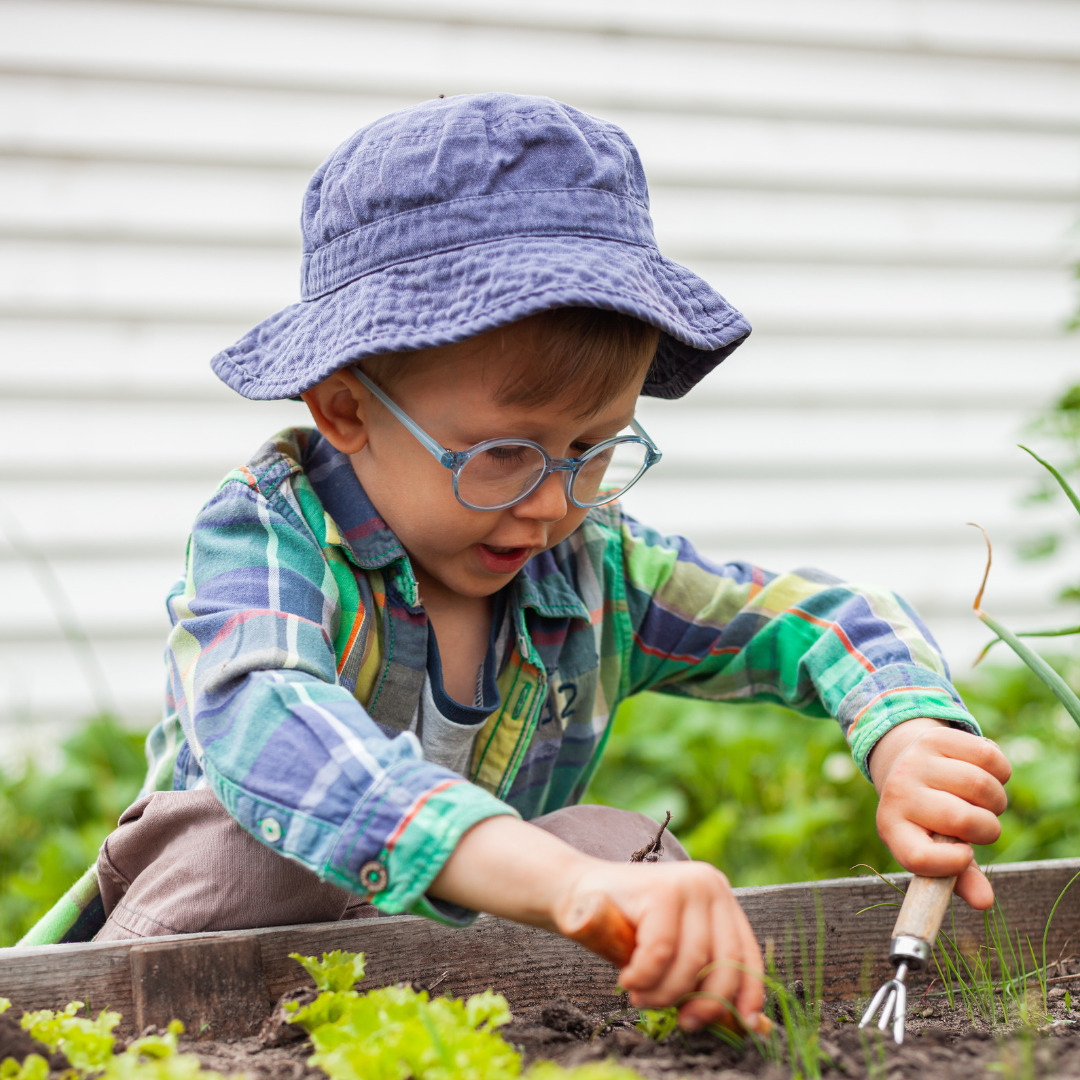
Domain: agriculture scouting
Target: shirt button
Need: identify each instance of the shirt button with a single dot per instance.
(374, 876)
(270, 829)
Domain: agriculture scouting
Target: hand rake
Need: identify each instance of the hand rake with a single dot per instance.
(913, 937)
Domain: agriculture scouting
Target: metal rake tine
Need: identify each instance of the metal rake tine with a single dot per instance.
(899, 1012)
(868, 1015)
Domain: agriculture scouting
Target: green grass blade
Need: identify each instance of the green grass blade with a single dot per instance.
(1073, 497)
(1058, 686)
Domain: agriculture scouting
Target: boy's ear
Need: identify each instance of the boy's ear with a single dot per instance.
(338, 406)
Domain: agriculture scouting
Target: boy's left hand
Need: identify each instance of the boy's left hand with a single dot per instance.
(934, 778)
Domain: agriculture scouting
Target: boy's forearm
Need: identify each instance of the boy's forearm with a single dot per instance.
(509, 868)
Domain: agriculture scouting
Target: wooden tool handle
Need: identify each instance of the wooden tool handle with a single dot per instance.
(925, 904)
(600, 926)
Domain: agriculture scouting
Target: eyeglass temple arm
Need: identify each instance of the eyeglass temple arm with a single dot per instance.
(440, 453)
(654, 453)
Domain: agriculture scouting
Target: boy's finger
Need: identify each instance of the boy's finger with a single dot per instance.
(961, 745)
(972, 783)
(948, 814)
(751, 996)
(683, 973)
(974, 887)
(657, 943)
(915, 851)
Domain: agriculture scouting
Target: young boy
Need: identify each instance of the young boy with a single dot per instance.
(401, 637)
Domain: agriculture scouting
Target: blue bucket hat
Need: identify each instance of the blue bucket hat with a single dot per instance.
(462, 214)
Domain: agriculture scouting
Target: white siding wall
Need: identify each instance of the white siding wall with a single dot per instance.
(887, 189)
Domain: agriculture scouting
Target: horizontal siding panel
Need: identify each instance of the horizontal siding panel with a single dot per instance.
(1002, 28)
(125, 280)
(106, 361)
(198, 206)
(228, 126)
(295, 49)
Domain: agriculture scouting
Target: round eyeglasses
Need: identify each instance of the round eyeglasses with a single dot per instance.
(498, 473)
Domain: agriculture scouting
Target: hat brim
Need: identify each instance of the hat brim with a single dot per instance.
(449, 296)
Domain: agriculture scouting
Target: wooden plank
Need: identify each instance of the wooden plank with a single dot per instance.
(217, 988)
(529, 965)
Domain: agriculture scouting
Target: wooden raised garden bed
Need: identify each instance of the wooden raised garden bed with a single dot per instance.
(223, 985)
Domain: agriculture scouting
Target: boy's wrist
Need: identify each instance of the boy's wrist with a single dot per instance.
(512, 869)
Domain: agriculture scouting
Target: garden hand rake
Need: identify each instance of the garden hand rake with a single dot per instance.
(914, 934)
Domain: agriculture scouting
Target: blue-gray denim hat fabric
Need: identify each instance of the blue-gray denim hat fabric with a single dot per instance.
(453, 217)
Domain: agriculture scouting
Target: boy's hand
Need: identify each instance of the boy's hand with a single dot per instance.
(934, 778)
(685, 916)
(687, 921)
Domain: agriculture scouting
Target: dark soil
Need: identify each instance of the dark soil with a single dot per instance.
(941, 1043)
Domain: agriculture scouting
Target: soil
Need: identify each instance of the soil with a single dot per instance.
(940, 1043)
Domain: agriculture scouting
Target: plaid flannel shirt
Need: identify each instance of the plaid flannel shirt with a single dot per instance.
(298, 655)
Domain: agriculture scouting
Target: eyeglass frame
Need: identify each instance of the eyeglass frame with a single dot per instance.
(456, 460)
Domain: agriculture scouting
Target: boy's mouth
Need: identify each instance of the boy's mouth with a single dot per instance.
(502, 560)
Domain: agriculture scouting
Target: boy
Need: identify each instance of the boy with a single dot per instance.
(403, 633)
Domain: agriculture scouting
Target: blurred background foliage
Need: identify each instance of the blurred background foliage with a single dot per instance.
(770, 796)
(765, 794)
(53, 822)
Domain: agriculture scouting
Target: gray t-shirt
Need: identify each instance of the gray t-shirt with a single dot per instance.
(447, 728)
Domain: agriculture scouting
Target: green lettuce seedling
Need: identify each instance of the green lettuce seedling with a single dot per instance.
(336, 970)
(86, 1043)
(658, 1024)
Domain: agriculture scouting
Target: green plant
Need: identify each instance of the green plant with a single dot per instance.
(1032, 659)
(658, 1024)
(89, 1046)
(397, 1033)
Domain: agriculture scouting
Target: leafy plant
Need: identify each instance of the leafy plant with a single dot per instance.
(397, 1033)
(89, 1046)
(658, 1024)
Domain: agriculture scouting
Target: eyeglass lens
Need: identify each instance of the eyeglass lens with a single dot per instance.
(504, 473)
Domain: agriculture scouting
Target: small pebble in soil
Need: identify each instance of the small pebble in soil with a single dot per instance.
(928, 1012)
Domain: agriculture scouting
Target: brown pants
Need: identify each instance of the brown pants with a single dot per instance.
(179, 864)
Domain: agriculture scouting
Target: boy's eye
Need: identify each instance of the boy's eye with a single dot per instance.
(507, 454)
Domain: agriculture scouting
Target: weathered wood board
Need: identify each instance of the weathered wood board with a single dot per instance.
(222, 984)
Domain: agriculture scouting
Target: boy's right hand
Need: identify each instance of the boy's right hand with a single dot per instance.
(692, 938)
(686, 921)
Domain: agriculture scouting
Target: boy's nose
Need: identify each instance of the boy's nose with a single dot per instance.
(548, 502)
